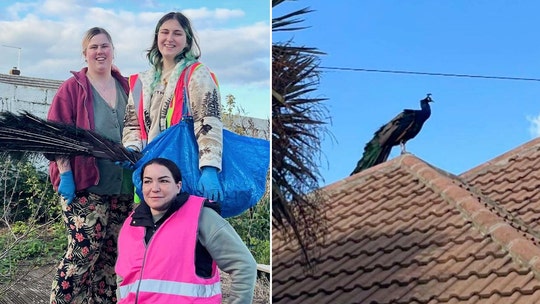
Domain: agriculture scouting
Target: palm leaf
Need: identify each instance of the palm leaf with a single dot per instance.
(297, 125)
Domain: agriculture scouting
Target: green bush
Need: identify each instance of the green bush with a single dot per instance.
(29, 245)
(253, 226)
(25, 192)
(31, 233)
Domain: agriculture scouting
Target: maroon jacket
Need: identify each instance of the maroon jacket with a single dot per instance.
(73, 104)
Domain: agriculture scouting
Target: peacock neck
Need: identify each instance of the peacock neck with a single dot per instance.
(424, 105)
(425, 111)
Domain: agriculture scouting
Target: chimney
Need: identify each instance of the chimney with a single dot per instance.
(14, 71)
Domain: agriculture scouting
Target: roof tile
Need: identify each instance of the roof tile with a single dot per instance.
(407, 232)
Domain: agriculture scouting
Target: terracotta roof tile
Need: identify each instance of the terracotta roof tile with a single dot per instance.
(408, 232)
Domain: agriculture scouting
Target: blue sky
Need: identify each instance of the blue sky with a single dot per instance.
(234, 37)
(473, 119)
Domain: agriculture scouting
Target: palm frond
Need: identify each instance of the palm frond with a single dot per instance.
(297, 127)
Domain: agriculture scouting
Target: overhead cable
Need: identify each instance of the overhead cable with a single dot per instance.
(428, 73)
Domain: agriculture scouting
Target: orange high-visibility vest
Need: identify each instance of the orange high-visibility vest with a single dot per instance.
(176, 110)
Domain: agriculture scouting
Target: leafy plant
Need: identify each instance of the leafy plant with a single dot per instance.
(30, 233)
(25, 192)
(253, 226)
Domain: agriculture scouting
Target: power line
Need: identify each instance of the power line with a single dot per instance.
(429, 73)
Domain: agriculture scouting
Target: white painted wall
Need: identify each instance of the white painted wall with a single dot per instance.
(15, 98)
(19, 93)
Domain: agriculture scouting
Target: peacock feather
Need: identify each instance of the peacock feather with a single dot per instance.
(25, 132)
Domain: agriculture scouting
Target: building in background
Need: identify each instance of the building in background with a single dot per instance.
(21, 93)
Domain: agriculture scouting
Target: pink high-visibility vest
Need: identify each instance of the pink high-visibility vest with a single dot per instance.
(164, 270)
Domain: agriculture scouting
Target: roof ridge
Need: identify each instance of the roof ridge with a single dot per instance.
(30, 81)
(489, 203)
(521, 249)
(362, 176)
(505, 157)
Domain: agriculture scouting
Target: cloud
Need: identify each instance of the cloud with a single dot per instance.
(212, 16)
(49, 34)
(16, 9)
(245, 48)
(534, 127)
(235, 42)
(53, 8)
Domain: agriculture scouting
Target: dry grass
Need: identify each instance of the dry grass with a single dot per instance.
(34, 287)
(262, 289)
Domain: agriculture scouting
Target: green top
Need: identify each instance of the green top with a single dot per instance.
(109, 122)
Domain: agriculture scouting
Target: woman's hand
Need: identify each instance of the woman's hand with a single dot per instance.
(66, 188)
(209, 184)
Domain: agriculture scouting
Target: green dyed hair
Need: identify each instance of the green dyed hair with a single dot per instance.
(191, 52)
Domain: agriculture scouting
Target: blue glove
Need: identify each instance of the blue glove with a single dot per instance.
(126, 164)
(67, 186)
(209, 184)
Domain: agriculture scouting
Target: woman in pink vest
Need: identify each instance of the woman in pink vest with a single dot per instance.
(171, 248)
(156, 99)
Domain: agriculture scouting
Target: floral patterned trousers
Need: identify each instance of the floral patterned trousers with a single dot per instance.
(86, 272)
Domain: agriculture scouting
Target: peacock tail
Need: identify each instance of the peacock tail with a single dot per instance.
(374, 154)
(25, 132)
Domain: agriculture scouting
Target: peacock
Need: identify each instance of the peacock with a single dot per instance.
(398, 131)
(27, 133)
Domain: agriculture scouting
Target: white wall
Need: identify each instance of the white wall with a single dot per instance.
(18, 93)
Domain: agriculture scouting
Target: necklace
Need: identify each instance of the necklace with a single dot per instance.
(165, 74)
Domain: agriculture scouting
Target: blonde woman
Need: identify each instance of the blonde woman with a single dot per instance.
(96, 196)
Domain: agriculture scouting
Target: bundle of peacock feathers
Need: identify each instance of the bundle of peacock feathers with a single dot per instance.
(28, 133)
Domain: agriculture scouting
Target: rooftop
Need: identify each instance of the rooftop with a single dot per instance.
(407, 232)
(30, 81)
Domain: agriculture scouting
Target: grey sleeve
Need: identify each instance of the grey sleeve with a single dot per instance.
(230, 253)
(119, 280)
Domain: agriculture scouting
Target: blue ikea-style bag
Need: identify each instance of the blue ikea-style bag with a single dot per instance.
(245, 163)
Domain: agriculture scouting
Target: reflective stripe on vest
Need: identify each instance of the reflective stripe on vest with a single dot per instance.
(135, 88)
(172, 288)
(164, 271)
